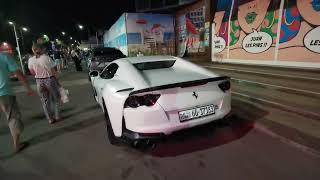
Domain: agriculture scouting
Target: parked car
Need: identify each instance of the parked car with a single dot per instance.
(99, 58)
(147, 98)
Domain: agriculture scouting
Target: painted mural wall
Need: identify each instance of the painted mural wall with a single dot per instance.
(220, 26)
(300, 31)
(150, 34)
(252, 30)
(192, 32)
(116, 36)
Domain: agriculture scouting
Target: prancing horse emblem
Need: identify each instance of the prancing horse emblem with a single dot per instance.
(195, 95)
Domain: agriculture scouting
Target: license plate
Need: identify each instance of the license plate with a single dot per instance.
(197, 112)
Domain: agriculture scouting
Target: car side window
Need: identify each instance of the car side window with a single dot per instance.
(109, 71)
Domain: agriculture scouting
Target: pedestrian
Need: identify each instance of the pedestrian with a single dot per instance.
(57, 59)
(76, 59)
(43, 69)
(8, 103)
(64, 58)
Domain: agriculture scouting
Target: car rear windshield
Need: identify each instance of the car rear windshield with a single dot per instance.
(108, 52)
(154, 65)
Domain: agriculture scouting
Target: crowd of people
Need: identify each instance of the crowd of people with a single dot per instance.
(45, 65)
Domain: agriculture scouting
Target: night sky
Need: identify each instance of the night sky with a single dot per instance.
(54, 16)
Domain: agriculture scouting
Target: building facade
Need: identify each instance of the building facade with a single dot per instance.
(143, 34)
(160, 5)
(270, 32)
(273, 32)
(193, 30)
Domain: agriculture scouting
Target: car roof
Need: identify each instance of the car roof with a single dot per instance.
(142, 59)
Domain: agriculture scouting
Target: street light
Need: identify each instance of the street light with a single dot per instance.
(18, 46)
(22, 39)
(80, 26)
(71, 38)
(63, 33)
(5, 44)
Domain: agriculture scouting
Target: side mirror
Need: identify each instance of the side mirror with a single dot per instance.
(94, 73)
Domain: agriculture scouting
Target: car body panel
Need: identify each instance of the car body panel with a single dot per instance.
(176, 85)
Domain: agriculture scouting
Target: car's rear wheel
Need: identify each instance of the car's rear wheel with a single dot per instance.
(114, 140)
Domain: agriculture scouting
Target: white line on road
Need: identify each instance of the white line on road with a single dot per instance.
(264, 73)
(289, 108)
(282, 87)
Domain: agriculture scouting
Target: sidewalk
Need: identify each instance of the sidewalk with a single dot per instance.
(288, 97)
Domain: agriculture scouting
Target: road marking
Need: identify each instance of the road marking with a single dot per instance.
(282, 87)
(305, 113)
(264, 73)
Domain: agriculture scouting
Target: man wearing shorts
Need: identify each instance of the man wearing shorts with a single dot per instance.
(8, 103)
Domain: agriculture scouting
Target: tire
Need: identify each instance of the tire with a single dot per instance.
(114, 140)
(94, 92)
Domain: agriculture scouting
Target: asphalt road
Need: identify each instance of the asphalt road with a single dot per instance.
(77, 148)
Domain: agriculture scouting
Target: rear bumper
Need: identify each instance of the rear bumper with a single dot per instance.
(160, 136)
(134, 136)
(152, 120)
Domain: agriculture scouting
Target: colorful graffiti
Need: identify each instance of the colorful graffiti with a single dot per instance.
(116, 36)
(150, 34)
(255, 31)
(191, 32)
(300, 31)
(220, 37)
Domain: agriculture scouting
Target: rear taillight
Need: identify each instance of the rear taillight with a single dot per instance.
(145, 100)
(225, 86)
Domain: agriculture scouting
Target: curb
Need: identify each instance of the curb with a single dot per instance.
(271, 86)
(290, 109)
(264, 73)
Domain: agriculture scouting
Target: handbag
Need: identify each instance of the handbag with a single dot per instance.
(64, 95)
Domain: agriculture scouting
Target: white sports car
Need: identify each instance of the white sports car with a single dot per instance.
(146, 98)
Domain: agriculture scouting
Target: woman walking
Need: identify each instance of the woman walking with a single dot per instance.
(43, 69)
(75, 57)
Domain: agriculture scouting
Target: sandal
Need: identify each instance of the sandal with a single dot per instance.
(52, 121)
(56, 120)
(21, 147)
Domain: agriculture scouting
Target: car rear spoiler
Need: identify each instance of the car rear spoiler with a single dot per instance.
(181, 84)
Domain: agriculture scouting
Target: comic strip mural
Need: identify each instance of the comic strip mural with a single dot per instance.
(191, 32)
(300, 31)
(257, 33)
(142, 34)
(253, 31)
(116, 36)
(150, 34)
(221, 27)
